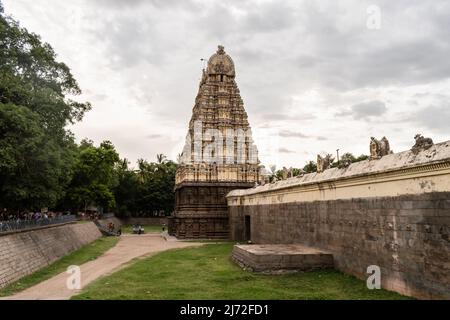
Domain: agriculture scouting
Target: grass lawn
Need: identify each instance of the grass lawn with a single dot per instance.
(208, 273)
(87, 253)
(128, 228)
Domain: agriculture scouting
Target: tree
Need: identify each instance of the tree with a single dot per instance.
(156, 190)
(37, 152)
(349, 158)
(94, 176)
(149, 190)
(31, 77)
(34, 170)
(126, 190)
(160, 158)
(310, 167)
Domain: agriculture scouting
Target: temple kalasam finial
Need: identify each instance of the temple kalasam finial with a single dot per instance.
(220, 49)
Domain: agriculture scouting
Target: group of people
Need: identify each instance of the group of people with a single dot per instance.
(28, 216)
(19, 220)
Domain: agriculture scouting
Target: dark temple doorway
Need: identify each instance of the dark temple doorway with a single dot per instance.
(248, 235)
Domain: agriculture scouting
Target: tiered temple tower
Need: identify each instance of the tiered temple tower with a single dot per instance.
(219, 155)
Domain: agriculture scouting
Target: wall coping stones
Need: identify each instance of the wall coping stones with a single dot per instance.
(435, 158)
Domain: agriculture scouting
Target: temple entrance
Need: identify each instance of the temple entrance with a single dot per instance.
(248, 235)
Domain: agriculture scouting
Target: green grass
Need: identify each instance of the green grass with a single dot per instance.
(87, 253)
(207, 273)
(128, 228)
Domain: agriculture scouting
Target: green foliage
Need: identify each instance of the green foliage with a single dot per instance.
(36, 151)
(310, 167)
(94, 176)
(34, 168)
(147, 190)
(31, 77)
(349, 158)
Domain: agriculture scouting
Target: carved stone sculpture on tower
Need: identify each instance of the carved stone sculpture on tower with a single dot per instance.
(285, 173)
(379, 148)
(421, 143)
(323, 162)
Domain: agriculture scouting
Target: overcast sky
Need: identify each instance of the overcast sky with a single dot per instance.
(312, 72)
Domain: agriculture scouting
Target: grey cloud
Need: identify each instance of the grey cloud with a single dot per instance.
(282, 49)
(154, 136)
(294, 134)
(287, 116)
(435, 118)
(283, 46)
(285, 150)
(289, 134)
(364, 110)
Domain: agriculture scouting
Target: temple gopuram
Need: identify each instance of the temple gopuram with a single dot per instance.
(219, 155)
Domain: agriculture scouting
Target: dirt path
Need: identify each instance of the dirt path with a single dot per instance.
(128, 248)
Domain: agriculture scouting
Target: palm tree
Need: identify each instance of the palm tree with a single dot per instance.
(142, 164)
(160, 158)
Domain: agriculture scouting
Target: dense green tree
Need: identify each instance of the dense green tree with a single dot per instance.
(160, 158)
(37, 152)
(126, 190)
(310, 167)
(156, 188)
(147, 191)
(94, 176)
(31, 76)
(34, 170)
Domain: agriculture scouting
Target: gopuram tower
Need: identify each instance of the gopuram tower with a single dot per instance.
(219, 155)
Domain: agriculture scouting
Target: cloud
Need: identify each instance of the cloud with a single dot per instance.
(287, 116)
(138, 62)
(365, 110)
(154, 136)
(290, 134)
(285, 150)
(436, 118)
(296, 134)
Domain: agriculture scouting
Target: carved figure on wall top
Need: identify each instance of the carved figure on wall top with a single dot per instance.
(421, 143)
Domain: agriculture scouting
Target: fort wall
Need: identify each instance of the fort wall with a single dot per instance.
(392, 212)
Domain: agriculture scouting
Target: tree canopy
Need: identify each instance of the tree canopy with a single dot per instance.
(37, 151)
(147, 190)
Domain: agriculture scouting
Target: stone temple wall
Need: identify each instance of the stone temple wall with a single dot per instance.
(23, 253)
(393, 212)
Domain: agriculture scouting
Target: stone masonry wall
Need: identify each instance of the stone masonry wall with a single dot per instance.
(407, 236)
(23, 253)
